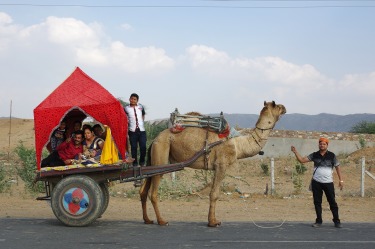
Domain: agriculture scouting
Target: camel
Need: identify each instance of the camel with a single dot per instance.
(171, 147)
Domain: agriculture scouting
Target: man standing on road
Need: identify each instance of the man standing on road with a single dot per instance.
(322, 180)
(137, 133)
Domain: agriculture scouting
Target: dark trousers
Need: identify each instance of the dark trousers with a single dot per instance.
(329, 190)
(52, 159)
(135, 138)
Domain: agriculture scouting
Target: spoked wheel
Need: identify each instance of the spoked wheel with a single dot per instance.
(76, 200)
(105, 197)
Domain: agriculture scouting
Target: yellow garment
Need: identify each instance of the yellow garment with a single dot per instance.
(109, 153)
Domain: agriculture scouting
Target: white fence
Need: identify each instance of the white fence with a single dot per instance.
(363, 174)
(364, 171)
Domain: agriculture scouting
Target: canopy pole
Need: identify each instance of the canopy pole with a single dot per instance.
(10, 128)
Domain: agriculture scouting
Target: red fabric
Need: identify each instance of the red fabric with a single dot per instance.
(76, 98)
(177, 128)
(225, 132)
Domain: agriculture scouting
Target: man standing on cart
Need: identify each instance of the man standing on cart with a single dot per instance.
(137, 133)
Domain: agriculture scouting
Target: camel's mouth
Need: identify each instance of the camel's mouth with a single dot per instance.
(283, 110)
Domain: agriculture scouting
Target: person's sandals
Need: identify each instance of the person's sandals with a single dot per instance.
(338, 225)
(317, 225)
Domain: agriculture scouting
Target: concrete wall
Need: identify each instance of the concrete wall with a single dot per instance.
(280, 147)
(306, 142)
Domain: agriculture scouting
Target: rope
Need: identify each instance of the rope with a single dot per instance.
(249, 212)
(267, 227)
(207, 154)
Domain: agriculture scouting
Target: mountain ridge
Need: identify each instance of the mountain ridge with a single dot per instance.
(294, 121)
(304, 122)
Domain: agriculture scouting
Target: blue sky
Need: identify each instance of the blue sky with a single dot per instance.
(207, 56)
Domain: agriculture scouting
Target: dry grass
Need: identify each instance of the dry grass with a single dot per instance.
(243, 195)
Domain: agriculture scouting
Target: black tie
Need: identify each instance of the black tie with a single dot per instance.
(136, 119)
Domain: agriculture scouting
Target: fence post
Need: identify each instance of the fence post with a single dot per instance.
(272, 176)
(173, 176)
(363, 168)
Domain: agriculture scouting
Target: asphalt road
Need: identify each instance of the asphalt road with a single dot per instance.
(50, 233)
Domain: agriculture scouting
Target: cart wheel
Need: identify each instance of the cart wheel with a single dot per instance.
(105, 197)
(76, 200)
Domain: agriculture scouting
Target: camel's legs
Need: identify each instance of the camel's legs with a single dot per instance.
(214, 196)
(143, 192)
(154, 199)
(159, 156)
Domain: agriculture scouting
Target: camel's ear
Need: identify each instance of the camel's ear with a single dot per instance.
(265, 103)
(273, 103)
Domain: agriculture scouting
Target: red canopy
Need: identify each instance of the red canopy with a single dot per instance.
(76, 98)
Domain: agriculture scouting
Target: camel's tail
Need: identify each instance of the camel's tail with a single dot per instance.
(145, 187)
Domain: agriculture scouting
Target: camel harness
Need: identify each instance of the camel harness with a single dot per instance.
(178, 122)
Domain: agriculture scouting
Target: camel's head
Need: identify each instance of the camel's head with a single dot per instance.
(277, 110)
(270, 114)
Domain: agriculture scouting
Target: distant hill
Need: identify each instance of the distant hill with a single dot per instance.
(295, 121)
(320, 122)
(8, 117)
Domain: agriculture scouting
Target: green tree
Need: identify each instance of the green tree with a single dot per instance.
(123, 103)
(4, 181)
(362, 142)
(364, 127)
(153, 130)
(265, 168)
(27, 170)
(300, 168)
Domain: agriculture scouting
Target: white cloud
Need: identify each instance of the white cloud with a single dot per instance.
(361, 83)
(46, 51)
(135, 59)
(273, 78)
(91, 56)
(87, 43)
(201, 55)
(7, 30)
(5, 18)
(70, 31)
(126, 26)
(91, 50)
(273, 70)
(277, 69)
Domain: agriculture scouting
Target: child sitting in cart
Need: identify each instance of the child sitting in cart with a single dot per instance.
(76, 127)
(99, 131)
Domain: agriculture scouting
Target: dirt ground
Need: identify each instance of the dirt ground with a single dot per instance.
(184, 198)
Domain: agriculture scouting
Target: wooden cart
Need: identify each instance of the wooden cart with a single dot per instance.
(79, 194)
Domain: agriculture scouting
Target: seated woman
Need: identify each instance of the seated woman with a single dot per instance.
(92, 145)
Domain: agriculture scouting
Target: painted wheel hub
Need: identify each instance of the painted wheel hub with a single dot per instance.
(75, 201)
